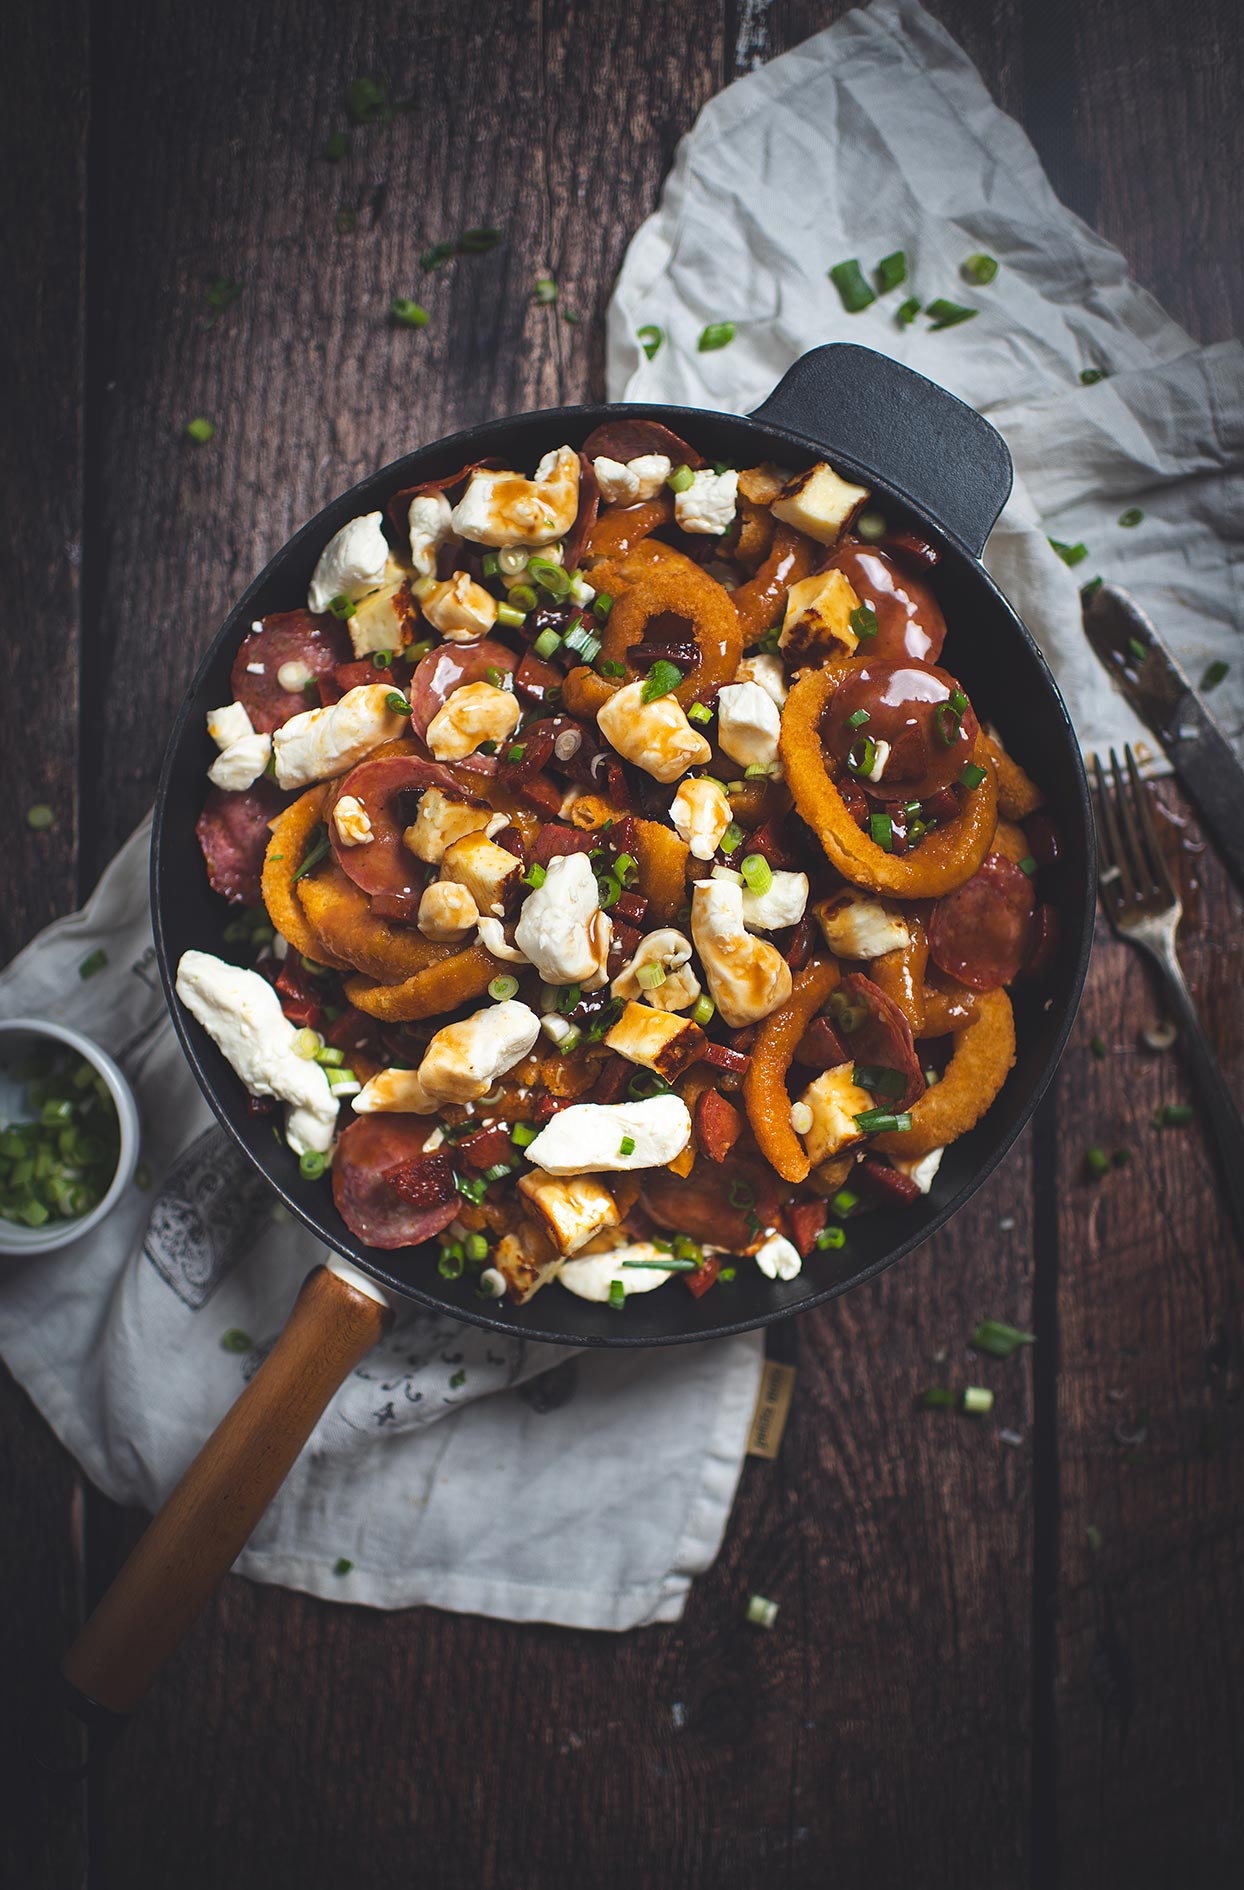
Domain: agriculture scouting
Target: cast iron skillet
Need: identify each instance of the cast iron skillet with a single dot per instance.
(935, 466)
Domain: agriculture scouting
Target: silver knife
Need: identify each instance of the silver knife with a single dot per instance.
(1147, 674)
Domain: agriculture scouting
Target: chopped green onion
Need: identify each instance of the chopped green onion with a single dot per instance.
(617, 1295)
(380, 659)
(1098, 1047)
(732, 838)
(553, 578)
(439, 253)
(502, 987)
(547, 644)
(625, 865)
(602, 605)
(311, 1164)
(980, 268)
(39, 817)
(761, 1612)
(471, 1188)
(703, 1012)
(580, 641)
(1132, 516)
(831, 1237)
(522, 597)
(516, 751)
(948, 314)
(650, 338)
(662, 679)
(998, 1339)
(906, 312)
(844, 1202)
(627, 1145)
(972, 775)
(883, 1122)
(1028, 865)
(1096, 1163)
(498, 1171)
(716, 335)
(490, 563)
(1173, 1116)
(1137, 649)
(200, 431)
(863, 620)
(608, 888)
(494, 677)
(318, 845)
(612, 668)
(977, 1400)
(891, 270)
(235, 1340)
(397, 703)
(523, 1135)
(457, 1381)
(408, 313)
(342, 606)
(535, 874)
(367, 101)
(870, 526)
(306, 1044)
(757, 873)
(680, 479)
(937, 1398)
(651, 976)
(336, 145)
(1070, 554)
(545, 291)
(330, 1057)
(475, 1247)
(701, 713)
(93, 962)
(862, 756)
(1089, 376)
(757, 771)
(451, 1260)
(478, 242)
(858, 719)
(879, 1079)
(1214, 674)
(881, 832)
(853, 290)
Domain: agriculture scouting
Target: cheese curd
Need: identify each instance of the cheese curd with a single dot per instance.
(462, 610)
(561, 927)
(857, 925)
(818, 618)
(397, 1092)
(475, 712)
(352, 821)
(767, 672)
(747, 976)
(923, 1170)
(228, 725)
(447, 911)
(572, 1211)
(241, 1013)
(590, 1137)
(440, 820)
(820, 503)
(591, 1275)
(655, 736)
(351, 563)
(430, 523)
(503, 508)
(782, 903)
(835, 1100)
(487, 870)
(679, 988)
(492, 938)
(700, 813)
(323, 742)
(384, 619)
(630, 484)
(241, 763)
(460, 1065)
(748, 724)
(708, 504)
(779, 1258)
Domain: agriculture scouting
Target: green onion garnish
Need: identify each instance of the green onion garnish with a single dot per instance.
(948, 314)
(1096, 1163)
(397, 703)
(980, 268)
(650, 338)
(408, 313)
(852, 286)
(863, 621)
(879, 1079)
(844, 1202)
(367, 101)
(1070, 554)
(602, 605)
(551, 577)
(93, 962)
(1173, 1116)
(617, 1295)
(502, 987)
(732, 838)
(703, 1012)
(380, 659)
(516, 751)
(977, 1400)
(608, 887)
(883, 1122)
(858, 719)
(439, 253)
(680, 479)
(972, 775)
(627, 1145)
(451, 1260)
(235, 1340)
(761, 1612)
(906, 312)
(1090, 375)
(511, 618)
(1028, 865)
(523, 597)
(457, 1381)
(651, 976)
(1214, 674)
(862, 756)
(535, 874)
(891, 270)
(318, 845)
(478, 242)
(342, 606)
(1132, 516)
(998, 1339)
(701, 713)
(831, 1237)
(937, 1398)
(1098, 1046)
(1137, 649)
(200, 431)
(545, 291)
(662, 679)
(757, 873)
(716, 335)
(311, 1164)
(39, 817)
(336, 145)
(547, 644)
(881, 832)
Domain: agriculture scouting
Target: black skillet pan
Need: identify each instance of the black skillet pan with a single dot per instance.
(936, 468)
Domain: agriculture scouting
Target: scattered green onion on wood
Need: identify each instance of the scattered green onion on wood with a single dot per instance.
(545, 291)
(40, 817)
(852, 286)
(761, 1612)
(409, 314)
(200, 431)
(977, 1400)
(998, 1339)
(1173, 1116)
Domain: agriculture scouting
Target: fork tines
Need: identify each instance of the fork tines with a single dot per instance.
(1133, 872)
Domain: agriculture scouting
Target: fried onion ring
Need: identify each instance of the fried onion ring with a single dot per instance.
(983, 1057)
(764, 1086)
(662, 858)
(286, 851)
(620, 528)
(946, 859)
(1018, 795)
(340, 913)
(677, 587)
(1009, 839)
(900, 974)
(760, 602)
(947, 1008)
(428, 993)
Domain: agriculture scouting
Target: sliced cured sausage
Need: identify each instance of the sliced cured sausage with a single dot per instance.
(980, 933)
(881, 1039)
(320, 644)
(729, 1211)
(233, 833)
(585, 517)
(445, 669)
(717, 1125)
(625, 440)
(385, 788)
(368, 1150)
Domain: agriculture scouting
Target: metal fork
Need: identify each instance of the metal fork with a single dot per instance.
(1142, 905)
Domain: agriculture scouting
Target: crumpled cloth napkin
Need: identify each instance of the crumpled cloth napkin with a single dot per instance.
(878, 135)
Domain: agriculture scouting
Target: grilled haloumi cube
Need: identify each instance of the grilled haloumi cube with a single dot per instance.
(489, 872)
(818, 618)
(820, 503)
(571, 1207)
(659, 1040)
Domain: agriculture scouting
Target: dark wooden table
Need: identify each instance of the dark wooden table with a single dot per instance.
(995, 1665)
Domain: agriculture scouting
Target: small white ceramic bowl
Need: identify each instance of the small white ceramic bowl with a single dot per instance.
(21, 1037)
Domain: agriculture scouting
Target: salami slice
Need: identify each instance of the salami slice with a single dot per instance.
(233, 833)
(730, 1210)
(294, 636)
(554, 841)
(585, 517)
(883, 1040)
(980, 933)
(368, 1150)
(384, 864)
(625, 440)
(445, 669)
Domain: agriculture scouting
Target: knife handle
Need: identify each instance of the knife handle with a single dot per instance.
(1222, 1118)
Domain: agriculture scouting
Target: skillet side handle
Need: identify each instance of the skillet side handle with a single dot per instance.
(195, 1538)
(936, 451)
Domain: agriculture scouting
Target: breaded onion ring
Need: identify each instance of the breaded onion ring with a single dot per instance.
(764, 1086)
(620, 528)
(947, 1008)
(662, 879)
(679, 589)
(760, 602)
(286, 851)
(1018, 795)
(440, 988)
(340, 913)
(983, 1057)
(900, 974)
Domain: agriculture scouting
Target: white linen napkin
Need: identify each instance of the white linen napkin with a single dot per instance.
(878, 135)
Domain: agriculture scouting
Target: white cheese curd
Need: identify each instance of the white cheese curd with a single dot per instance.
(319, 743)
(430, 521)
(679, 988)
(475, 712)
(561, 927)
(708, 503)
(241, 763)
(856, 925)
(581, 592)
(880, 757)
(352, 821)
(588, 1137)
(395, 1092)
(572, 1211)
(835, 1099)
(293, 677)
(590, 1275)
(632, 482)
(464, 1060)
(351, 563)
(492, 938)
(767, 672)
(700, 812)
(923, 1170)
(748, 723)
(655, 736)
(747, 977)
(440, 820)
(779, 1258)
(462, 610)
(503, 508)
(782, 903)
(447, 912)
(241, 1013)
(228, 725)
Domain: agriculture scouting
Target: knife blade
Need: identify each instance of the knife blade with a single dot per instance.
(1145, 672)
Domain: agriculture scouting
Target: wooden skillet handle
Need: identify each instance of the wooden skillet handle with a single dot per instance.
(203, 1526)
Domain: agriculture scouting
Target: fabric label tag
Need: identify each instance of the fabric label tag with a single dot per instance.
(777, 1382)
